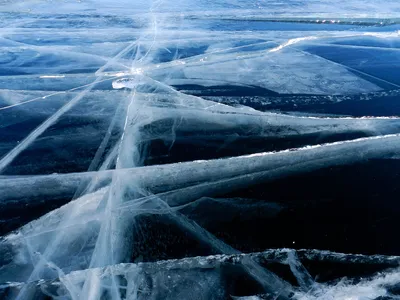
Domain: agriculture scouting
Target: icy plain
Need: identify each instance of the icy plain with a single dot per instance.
(199, 149)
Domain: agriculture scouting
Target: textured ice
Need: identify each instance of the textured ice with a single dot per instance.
(180, 149)
(202, 277)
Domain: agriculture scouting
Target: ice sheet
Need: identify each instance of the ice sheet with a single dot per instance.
(130, 131)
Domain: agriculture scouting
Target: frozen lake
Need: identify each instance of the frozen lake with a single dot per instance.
(199, 149)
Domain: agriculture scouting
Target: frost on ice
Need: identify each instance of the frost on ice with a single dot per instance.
(199, 150)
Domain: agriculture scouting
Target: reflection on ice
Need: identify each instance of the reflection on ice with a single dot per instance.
(136, 139)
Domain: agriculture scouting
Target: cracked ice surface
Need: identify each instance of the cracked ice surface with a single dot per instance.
(199, 149)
